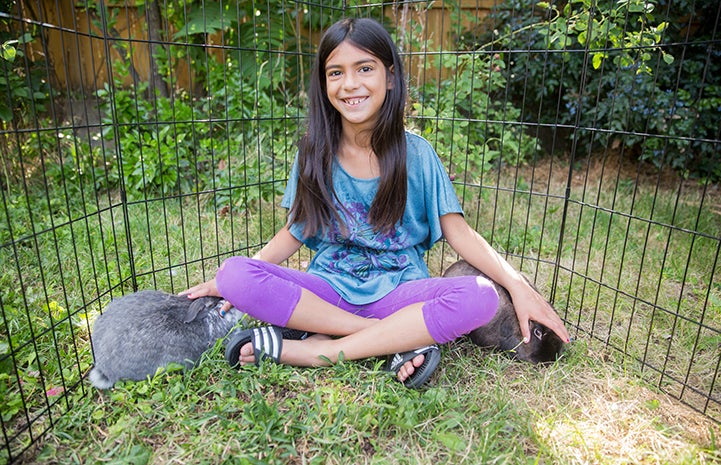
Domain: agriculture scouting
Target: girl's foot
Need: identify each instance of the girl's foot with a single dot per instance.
(247, 357)
(247, 354)
(408, 368)
(412, 368)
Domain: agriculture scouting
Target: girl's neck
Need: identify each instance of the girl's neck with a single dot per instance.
(356, 156)
(354, 136)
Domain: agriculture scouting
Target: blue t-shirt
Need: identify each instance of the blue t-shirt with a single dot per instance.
(364, 265)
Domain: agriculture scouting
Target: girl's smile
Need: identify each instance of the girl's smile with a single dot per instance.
(355, 101)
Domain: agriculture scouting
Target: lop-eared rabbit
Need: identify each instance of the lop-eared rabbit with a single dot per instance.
(504, 333)
(141, 332)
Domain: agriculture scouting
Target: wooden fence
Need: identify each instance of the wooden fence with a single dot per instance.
(75, 41)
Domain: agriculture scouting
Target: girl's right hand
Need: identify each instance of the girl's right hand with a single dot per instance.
(208, 288)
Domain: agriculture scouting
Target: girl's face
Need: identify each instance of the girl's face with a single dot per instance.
(356, 84)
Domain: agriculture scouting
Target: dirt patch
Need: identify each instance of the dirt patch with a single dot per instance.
(605, 172)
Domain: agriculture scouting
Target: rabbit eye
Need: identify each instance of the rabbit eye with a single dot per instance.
(538, 333)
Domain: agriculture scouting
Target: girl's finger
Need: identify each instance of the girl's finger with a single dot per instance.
(525, 325)
(194, 292)
(224, 308)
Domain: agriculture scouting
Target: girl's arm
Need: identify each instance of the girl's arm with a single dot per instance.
(529, 304)
(280, 247)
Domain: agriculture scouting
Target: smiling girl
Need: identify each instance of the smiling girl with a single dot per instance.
(369, 199)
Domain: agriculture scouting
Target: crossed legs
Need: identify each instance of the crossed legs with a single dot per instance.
(414, 315)
(361, 337)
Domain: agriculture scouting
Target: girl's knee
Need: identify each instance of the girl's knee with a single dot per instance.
(235, 263)
(236, 268)
(468, 303)
(234, 277)
(480, 302)
(255, 287)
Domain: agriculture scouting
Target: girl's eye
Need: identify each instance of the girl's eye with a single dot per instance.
(365, 69)
(333, 74)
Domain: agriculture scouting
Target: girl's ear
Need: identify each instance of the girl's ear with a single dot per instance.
(389, 77)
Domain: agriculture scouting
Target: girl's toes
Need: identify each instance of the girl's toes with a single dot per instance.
(409, 368)
(418, 361)
(406, 371)
(247, 357)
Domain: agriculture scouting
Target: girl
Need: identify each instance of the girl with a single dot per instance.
(370, 199)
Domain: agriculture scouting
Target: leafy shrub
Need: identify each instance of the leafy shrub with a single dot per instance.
(607, 73)
(23, 85)
(466, 116)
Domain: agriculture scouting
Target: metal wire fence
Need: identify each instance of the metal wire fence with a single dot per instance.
(143, 145)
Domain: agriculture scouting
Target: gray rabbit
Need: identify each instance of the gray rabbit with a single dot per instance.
(504, 333)
(141, 332)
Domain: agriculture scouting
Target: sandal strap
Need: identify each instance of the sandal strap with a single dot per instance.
(432, 357)
(267, 343)
(293, 334)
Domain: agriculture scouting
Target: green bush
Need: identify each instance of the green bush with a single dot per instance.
(23, 85)
(467, 119)
(158, 143)
(608, 76)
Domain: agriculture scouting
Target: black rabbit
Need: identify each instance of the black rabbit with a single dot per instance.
(141, 332)
(504, 333)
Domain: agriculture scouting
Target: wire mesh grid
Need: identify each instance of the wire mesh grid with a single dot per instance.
(141, 145)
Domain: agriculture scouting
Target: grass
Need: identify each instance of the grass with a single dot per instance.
(637, 275)
(481, 408)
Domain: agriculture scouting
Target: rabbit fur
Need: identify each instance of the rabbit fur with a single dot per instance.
(141, 332)
(503, 332)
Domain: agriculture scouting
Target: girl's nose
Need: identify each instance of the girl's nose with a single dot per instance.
(350, 81)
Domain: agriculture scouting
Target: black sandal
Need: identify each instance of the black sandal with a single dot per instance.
(267, 343)
(422, 373)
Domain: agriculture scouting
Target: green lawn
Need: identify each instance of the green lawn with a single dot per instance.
(633, 278)
(480, 408)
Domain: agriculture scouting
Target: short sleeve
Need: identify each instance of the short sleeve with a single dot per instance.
(431, 193)
(291, 186)
(295, 229)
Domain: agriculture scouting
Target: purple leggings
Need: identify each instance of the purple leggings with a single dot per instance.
(453, 306)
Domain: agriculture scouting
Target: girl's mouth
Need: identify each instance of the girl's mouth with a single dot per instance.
(354, 101)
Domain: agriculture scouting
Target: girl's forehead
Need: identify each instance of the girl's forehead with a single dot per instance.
(346, 52)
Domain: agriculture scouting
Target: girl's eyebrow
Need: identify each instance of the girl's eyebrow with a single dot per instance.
(357, 63)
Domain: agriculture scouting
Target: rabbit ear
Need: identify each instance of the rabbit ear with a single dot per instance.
(195, 307)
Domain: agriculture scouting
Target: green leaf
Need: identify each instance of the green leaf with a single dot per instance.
(98, 414)
(597, 60)
(582, 38)
(451, 440)
(21, 92)
(8, 52)
(25, 38)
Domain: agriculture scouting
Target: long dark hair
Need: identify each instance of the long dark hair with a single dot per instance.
(313, 204)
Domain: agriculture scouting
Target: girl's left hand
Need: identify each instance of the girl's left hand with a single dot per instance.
(530, 305)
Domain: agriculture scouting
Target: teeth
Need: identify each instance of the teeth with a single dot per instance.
(354, 101)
